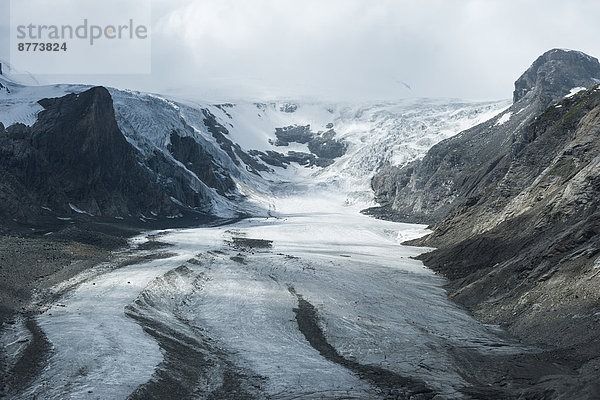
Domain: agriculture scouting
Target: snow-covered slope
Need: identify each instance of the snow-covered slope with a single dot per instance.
(373, 134)
(247, 150)
(18, 103)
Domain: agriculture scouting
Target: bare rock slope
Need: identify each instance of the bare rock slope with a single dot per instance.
(514, 210)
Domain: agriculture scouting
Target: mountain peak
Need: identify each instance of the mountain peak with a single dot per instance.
(555, 73)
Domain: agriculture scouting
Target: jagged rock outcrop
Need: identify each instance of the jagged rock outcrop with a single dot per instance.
(455, 170)
(191, 154)
(326, 146)
(555, 72)
(296, 134)
(75, 155)
(323, 147)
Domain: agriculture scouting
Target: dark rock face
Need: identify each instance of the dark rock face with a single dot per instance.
(76, 154)
(298, 134)
(323, 146)
(175, 181)
(271, 157)
(288, 108)
(283, 160)
(326, 146)
(307, 159)
(189, 152)
(529, 245)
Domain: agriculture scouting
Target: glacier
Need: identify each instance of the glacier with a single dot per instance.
(376, 306)
(231, 295)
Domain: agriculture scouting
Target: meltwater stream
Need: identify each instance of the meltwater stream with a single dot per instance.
(318, 302)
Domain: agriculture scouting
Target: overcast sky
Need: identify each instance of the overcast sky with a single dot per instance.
(350, 49)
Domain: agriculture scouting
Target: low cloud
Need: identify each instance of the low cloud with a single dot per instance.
(352, 49)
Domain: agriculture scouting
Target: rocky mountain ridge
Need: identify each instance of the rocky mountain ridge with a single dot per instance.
(513, 207)
(525, 252)
(453, 171)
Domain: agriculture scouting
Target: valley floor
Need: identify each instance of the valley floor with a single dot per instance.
(318, 302)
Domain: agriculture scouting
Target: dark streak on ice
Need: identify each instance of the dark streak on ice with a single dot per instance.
(394, 386)
(32, 362)
(182, 373)
(246, 243)
(193, 366)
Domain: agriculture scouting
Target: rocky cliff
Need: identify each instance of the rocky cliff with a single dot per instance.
(514, 210)
(525, 251)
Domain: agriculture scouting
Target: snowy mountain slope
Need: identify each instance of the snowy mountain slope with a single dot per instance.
(373, 133)
(227, 159)
(18, 103)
